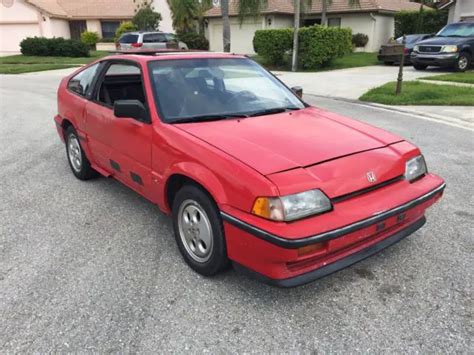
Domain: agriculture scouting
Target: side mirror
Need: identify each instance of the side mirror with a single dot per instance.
(131, 109)
(298, 90)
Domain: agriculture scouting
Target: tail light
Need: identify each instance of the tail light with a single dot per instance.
(405, 50)
(117, 45)
(137, 45)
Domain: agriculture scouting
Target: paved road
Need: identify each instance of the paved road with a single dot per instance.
(93, 266)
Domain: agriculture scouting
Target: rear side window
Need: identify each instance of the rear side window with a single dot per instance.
(129, 39)
(81, 83)
(154, 38)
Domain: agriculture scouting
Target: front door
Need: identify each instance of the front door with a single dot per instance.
(122, 145)
(76, 28)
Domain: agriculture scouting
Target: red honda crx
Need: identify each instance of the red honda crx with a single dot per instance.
(250, 173)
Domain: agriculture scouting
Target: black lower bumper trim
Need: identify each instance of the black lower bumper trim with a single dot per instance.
(338, 265)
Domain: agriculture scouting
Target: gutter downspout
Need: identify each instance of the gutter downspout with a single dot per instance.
(374, 21)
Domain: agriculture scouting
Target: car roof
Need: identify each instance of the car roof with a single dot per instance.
(145, 57)
(144, 33)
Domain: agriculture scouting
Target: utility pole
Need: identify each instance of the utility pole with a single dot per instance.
(294, 65)
(400, 70)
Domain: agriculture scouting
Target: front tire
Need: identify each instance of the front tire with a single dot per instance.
(80, 165)
(199, 231)
(462, 63)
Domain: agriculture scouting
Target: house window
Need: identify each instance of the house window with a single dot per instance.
(109, 28)
(334, 22)
(311, 22)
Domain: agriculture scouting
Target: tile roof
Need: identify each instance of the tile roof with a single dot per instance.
(86, 9)
(286, 7)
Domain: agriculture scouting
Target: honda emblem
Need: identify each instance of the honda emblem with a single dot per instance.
(371, 176)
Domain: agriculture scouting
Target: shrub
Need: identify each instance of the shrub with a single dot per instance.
(272, 44)
(90, 39)
(360, 40)
(194, 40)
(318, 45)
(146, 19)
(425, 21)
(124, 27)
(57, 47)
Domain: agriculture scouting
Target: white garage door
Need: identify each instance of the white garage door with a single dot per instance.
(12, 34)
(241, 37)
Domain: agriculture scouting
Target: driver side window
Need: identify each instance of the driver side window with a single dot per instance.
(122, 81)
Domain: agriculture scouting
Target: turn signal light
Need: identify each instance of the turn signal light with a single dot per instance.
(309, 249)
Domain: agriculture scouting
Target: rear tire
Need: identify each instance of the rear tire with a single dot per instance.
(80, 165)
(388, 63)
(199, 231)
(463, 62)
(420, 66)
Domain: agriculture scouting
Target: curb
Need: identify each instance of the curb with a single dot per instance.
(451, 83)
(452, 121)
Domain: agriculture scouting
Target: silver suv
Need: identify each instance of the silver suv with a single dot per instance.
(146, 41)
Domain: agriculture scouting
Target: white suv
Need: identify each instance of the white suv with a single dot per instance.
(146, 41)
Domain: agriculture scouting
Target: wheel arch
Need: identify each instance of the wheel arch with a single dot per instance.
(193, 174)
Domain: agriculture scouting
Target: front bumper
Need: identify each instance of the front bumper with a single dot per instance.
(276, 256)
(438, 60)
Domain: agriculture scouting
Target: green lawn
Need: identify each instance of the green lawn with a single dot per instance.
(17, 64)
(418, 93)
(467, 77)
(351, 60)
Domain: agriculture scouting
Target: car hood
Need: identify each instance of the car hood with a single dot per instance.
(442, 41)
(274, 143)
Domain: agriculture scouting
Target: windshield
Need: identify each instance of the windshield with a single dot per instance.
(409, 39)
(457, 30)
(217, 88)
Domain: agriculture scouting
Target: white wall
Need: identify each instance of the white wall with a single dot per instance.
(94, 26)
(462, 9)
(384, 30)
(241, 34)
(161, 6)
(361, 23)
(16, 23)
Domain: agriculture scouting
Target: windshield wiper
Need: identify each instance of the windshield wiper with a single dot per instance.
(207, 118)
(272, 111)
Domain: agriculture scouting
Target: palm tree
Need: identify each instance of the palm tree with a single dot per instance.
(183, 13)
(202, 7)
(225, 24)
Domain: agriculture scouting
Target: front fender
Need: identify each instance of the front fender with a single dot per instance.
(199, 173)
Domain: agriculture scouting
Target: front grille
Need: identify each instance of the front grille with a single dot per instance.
(367, 189)
(430, 49)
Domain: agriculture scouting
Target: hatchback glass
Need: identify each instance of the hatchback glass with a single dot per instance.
(212, 88)
(129, 39)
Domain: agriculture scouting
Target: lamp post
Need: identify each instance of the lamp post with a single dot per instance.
(400, 70)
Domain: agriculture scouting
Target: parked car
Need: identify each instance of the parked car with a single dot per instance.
(453, 46)
(249, 172)
(390, 53)
(146, 41)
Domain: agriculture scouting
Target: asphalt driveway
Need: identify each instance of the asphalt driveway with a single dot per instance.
(91, 266)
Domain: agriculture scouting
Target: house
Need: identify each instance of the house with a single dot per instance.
(375, 18)
(459, 10)
(66, 18)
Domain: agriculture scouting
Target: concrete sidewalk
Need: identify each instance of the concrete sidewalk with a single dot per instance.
(350, 84)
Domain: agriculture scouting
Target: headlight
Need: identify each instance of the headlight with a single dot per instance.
(291, 207)
(416, 48)
(449, 49)
(414, 168)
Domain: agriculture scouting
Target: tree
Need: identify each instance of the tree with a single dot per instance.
(146, 19)
(183, 13)
(202, 7)
(225, 25)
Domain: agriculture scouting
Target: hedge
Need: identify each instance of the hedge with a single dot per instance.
(89, 38)
(360, 40)
(318, 45)
(272, 44)
(414, 22)
(53, 47)
(194, 40)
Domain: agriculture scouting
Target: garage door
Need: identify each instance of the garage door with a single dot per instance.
(12, 34)
(241, 37)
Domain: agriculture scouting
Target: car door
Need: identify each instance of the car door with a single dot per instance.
(122, 145)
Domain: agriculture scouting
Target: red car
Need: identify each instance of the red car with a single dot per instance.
(250, 173)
